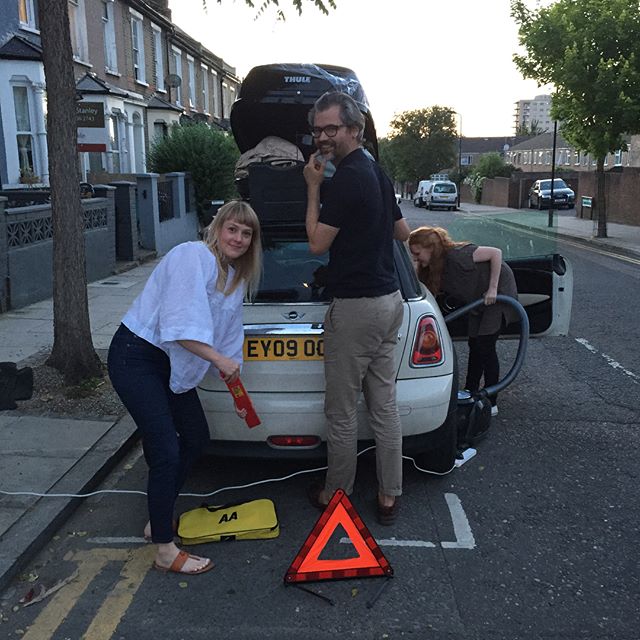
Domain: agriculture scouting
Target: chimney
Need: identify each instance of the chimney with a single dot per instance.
(161, 6)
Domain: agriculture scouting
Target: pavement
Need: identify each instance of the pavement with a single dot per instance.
(67, 456)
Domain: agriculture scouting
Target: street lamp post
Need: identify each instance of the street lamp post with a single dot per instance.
(553, 173)
(459, 154)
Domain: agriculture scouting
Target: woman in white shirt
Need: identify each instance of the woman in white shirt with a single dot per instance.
(187, 319)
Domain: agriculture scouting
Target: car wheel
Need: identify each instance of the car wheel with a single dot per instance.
(430, 207)
(442, 456)
(539, 204)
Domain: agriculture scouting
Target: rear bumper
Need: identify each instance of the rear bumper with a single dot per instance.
(422, 403)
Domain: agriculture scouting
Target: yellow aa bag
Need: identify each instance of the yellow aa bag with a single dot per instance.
(254, 520)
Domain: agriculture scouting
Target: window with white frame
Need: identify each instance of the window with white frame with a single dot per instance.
(24, 131)
(205, 89)
(110, 53)
(160, 130)
(78, 30)
(137, 47)
(192, 82)
(27, 13)
(226, 100)
(114, 143)
(158, 60)
(576, 158)
(216, 94)
(547, 157)
(177, 69)
(617, 158)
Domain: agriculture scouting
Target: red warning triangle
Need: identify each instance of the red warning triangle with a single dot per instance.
(370, 561)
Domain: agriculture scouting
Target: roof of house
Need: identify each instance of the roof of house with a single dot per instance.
(489, 144)
(91, 84)
(156, 102)
(19, 48)
(542, 141)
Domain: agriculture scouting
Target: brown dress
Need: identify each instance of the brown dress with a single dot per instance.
(464, 281)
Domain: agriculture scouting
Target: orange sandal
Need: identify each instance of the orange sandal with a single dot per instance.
(179, 562)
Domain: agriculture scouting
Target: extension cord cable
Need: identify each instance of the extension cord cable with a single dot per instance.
(456, 464)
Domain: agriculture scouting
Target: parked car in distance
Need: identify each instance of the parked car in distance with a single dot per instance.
(540, 194)
(420, 196)
(442, 193)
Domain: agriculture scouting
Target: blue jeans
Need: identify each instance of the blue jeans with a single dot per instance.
(173, 425)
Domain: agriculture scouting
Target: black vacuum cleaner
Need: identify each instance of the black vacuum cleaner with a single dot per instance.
(474, 409)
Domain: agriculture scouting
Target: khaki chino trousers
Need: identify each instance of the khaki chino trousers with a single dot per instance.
(360, 336)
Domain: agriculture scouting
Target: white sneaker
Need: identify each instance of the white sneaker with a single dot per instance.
(494, 410)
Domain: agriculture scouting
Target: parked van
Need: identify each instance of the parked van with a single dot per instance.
(442, 193)
(420, 196)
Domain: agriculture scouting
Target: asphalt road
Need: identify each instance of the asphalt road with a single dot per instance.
(534, 538)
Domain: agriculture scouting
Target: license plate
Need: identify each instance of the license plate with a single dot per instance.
(266, 348)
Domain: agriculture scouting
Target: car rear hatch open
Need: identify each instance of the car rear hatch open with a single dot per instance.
(275, 99)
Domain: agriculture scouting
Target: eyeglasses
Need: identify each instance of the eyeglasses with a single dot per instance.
(331, 130)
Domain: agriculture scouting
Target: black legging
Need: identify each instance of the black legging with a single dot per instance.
(483, 360)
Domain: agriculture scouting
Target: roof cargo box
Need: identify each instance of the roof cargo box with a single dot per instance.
(275, 99)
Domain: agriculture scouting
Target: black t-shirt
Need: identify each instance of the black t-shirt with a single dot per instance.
(360, 201)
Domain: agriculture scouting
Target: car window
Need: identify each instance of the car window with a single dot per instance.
(290, 272)
(444, 188)
(558, 183)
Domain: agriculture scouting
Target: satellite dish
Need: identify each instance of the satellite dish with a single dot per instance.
(173, 80)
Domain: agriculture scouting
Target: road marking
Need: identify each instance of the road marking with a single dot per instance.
(392, 542)
(90, 563)
(609, 360)
(113, 540)
(59, 607)
(104, 625)
(461, 529)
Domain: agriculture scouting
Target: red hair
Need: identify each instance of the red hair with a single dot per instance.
(439, 241)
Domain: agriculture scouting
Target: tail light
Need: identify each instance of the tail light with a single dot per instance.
(427, 348)
(293, 441)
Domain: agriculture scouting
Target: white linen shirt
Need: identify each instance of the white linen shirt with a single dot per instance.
(180, 302)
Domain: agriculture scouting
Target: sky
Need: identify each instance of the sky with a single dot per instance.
(408, 54)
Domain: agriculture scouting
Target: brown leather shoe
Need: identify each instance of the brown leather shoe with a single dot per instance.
(313, 493)
(388, 515)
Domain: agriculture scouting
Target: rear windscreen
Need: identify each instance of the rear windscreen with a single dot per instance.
(444, 188)
(290, 273)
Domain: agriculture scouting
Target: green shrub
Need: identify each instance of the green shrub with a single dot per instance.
(207, 154)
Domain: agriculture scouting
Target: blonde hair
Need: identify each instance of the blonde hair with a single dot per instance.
(439, 241)
(248, 267)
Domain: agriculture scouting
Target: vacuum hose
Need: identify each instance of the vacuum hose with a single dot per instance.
(522, 345)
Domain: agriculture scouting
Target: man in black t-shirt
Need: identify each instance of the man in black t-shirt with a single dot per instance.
(357, 224)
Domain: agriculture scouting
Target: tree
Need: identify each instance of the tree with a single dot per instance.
(207, 154)
(489, 165)
(590, 52)
(533, 129)
(297, 5)
(422, 142)
(73, 353)
(492, 165)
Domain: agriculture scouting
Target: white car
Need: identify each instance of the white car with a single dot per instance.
(283, 371)
(442, 193)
